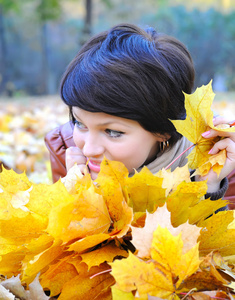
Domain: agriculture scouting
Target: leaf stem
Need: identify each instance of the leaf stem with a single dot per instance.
(179, 156)
(106, 271)
(186, 294)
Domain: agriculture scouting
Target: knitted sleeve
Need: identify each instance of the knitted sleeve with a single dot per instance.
(219, 194)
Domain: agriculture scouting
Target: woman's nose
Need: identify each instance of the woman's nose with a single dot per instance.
(92, 146)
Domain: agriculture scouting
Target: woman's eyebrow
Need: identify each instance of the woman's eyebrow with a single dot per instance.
(113, 122)
(105, 123)
(75, 116)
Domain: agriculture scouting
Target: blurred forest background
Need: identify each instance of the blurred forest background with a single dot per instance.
(38, 38)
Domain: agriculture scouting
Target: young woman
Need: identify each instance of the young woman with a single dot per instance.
(122, 88)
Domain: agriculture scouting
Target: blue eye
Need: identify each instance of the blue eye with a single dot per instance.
(79, 124)
(114, 133)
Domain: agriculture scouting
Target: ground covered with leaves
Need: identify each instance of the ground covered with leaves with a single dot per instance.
(23, 126)
(118, 237)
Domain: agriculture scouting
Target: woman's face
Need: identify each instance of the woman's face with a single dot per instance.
(119, 139)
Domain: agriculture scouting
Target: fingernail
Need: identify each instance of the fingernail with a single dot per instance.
(206, 133)
(210, 151)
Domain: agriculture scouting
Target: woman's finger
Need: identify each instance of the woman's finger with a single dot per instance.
(220, 120)
(226, 144)
(214, 133)
(74, 156)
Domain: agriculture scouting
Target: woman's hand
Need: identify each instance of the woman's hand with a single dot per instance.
(74, 156)
(227, 143)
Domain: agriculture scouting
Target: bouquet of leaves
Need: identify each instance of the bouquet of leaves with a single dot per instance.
(119, 237)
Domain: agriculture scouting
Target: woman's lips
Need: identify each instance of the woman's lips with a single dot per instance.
(94, 166)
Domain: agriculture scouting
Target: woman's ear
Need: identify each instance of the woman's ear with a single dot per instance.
(167, 136)
(163, 137)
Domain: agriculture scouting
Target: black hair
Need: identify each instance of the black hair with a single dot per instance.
(132, 73)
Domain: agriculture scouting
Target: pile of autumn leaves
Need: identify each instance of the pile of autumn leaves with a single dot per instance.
(121, 237)
(23, 126)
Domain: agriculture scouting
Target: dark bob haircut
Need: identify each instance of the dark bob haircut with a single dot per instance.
(131, 73)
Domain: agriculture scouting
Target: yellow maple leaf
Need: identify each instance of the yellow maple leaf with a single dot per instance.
(44, 197)
(145, 191)
(71, 178)
(68, 232)
(5, 120)
(232, 286)
(118, 294)
(133, 274)
(187, 203)
(20, 199)
(58, 274)
(103, 254)
(198, 120)
(139, 219)
(216, 235)
(85, 286)
(86, 214)
(6, 209)
(172, 179)
(163, 274)
(38, 245)
(111, 184)
(18, 182)
(8, 246)
(110, 181)
(215, 161)
(30, 268)
(179, 265)
(90, 241)
(23, 229)
(10, 263)
(142, 237)
(210, 275)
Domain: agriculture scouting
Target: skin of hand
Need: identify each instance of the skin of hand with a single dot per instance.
(74, 156)
(228, 143)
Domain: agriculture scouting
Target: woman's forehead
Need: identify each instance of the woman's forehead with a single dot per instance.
(101, 118)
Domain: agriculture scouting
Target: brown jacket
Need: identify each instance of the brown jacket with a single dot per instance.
(57, 141)
(230, 194)
(61, 138)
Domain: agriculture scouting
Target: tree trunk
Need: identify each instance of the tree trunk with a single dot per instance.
(87, 29)
(88, 19)
(3, 49)
(45, 61)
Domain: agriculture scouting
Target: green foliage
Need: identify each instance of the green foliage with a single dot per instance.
(9, 5)
(108, 3)
(48, 10)
(209, 36)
